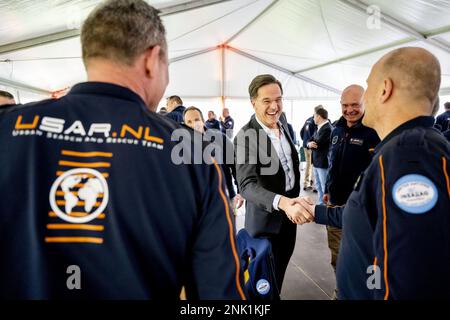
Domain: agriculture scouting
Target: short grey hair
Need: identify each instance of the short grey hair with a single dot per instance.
(121, 30)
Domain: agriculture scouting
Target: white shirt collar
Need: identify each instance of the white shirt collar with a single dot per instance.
(321, 125)
(266, 129)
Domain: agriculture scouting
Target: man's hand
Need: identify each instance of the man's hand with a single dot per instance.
(294, 210)
(238, 201)
(312, 145)
(326, 198)
(307, 207)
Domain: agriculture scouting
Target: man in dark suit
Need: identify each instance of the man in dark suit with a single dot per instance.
(320, 144)
(268, 175)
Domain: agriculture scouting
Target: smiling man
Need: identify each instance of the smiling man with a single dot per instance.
(269, 193)
(350, 154)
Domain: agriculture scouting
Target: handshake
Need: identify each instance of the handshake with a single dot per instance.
(299, 210)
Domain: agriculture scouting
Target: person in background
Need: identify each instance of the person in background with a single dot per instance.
(352, 145)
(319, 143)
(443, 120)
(163, 111)
(227, 123)
(446, 133)
(212, 122)
(308, 130)
(193, 118)
(6, 98)
(175, 109)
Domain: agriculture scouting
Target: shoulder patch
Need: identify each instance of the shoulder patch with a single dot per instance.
(263, 286)
(335, 139)
(415, 194)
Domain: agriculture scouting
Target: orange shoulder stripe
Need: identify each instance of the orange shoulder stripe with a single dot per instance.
(383, 189)
(231, 231)
(444, 167)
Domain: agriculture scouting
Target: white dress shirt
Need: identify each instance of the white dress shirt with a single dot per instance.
(284, 153)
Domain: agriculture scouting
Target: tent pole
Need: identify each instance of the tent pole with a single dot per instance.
(222, 76)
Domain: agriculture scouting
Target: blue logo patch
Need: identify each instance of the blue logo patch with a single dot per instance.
(263, 286)
(415, 194)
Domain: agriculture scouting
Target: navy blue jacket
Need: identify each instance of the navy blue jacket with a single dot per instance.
(308, 130)
(447, 135)
(397, 218)
(320, 154)
(176, 114)
(348, 157)
(227, 126)
(212, 124)
(444, 120)
(90, 180)
(225, 155)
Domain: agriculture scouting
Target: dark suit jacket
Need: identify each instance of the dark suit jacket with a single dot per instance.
(322, 138)
(255, 184)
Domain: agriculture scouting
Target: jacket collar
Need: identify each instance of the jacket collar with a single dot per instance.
(343, 123)
(109, 89)
(422, 121)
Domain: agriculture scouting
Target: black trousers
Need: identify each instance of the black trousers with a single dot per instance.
(283, 245)
(282, 248)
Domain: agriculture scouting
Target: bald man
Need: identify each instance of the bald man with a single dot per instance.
(395, 237)
(227, 123)
(350, 154)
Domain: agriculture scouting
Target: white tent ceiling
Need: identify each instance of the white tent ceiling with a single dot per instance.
(315, 47)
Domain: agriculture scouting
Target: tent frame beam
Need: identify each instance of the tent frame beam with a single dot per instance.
(393, 22)
(187, 6)
(249, 24)
(444, 91)
(222, 76)
(284, 70)
(357, 55)
(73, 33)
(414, 36)
(22, 86)
(193, 54)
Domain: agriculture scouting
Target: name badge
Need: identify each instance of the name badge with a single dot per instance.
(358, 142)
